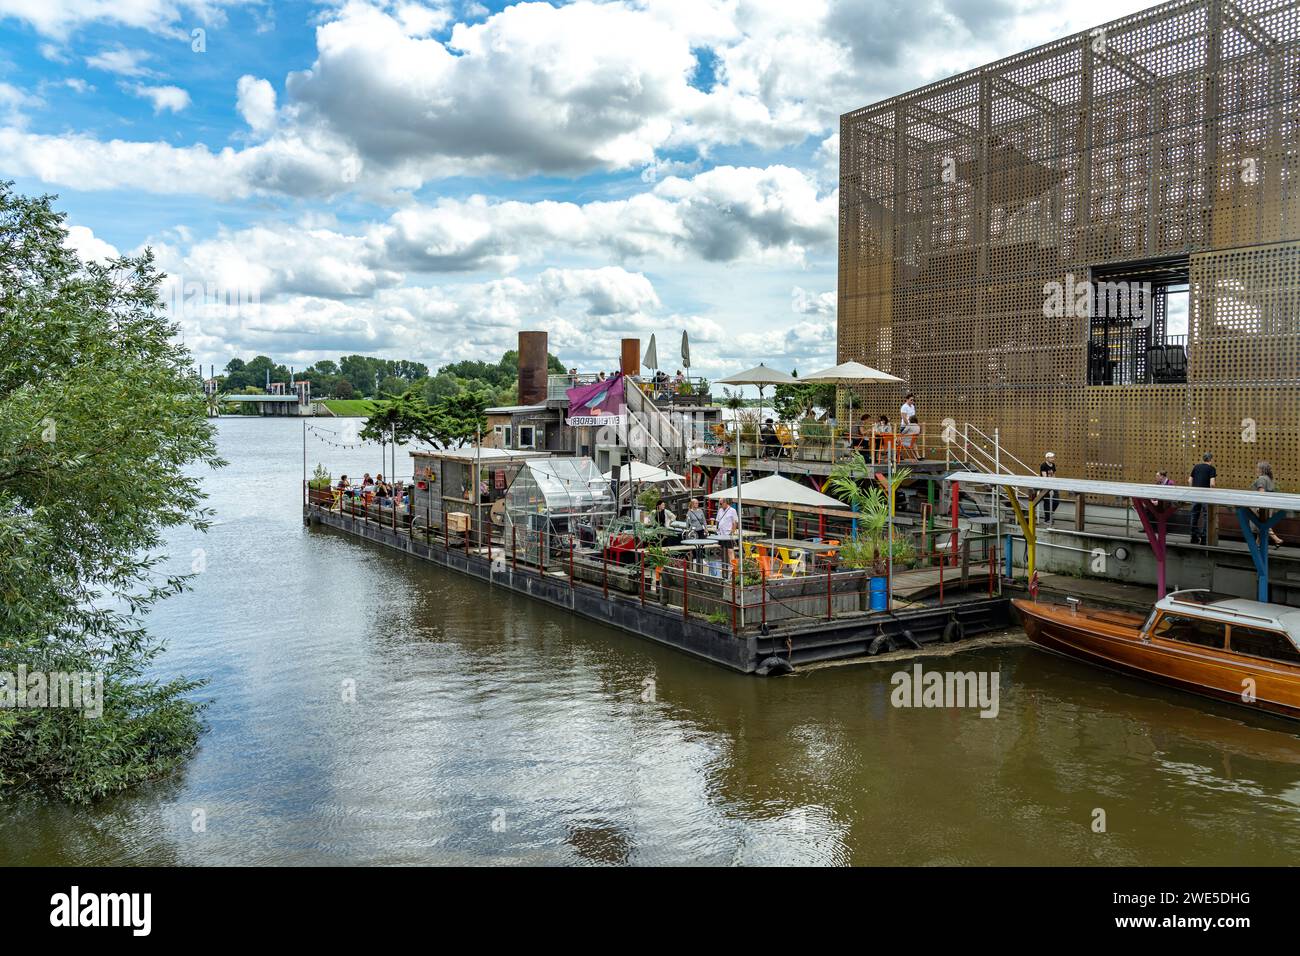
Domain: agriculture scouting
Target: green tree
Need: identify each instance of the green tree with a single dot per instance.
(399, 420)
(460, 416)
(793, 402)
(100, 425)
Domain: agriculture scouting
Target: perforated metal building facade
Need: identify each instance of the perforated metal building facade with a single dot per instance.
(1015, 241)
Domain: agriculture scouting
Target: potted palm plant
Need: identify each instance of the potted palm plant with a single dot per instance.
(870, 548)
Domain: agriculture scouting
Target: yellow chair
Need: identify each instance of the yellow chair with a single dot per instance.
(785, 435)
(791, 561)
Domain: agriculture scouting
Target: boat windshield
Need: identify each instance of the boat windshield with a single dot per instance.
(1203, 598)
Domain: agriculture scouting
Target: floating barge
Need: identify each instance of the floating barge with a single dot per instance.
(741, 630)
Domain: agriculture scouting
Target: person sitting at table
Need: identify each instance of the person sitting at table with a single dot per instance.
(907, 435)
(343, 487)
(678, 381)
(882, 426)
(695, 520)
(860, 440)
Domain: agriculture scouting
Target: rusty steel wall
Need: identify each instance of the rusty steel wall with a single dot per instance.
(1168, 140)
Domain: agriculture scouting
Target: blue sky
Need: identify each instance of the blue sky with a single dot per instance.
(424, 179)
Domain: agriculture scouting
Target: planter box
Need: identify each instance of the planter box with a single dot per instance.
(788, 599)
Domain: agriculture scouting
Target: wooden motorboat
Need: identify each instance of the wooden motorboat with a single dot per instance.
(1216, 645)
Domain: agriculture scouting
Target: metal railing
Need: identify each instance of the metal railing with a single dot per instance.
(704, 588)
(823, 443)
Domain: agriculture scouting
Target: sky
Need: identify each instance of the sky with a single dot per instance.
(423, 180)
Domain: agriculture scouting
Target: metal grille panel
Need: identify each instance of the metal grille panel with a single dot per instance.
(1173, 133)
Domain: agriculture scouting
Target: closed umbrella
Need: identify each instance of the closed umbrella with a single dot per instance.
(651, 359)
(686, 350)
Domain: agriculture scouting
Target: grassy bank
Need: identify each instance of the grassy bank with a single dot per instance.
(350, 407)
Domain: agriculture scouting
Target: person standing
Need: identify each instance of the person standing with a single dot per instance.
(695, 520)
(768, 437)
(1264, 482)
(1203, 475)
(728, 525)
(1048, 470)
(907, 411)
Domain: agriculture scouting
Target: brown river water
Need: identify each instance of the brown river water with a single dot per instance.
(371, 709)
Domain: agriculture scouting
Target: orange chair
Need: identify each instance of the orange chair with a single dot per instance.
(826, 559)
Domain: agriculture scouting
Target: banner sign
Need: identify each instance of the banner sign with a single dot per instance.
(599, 403)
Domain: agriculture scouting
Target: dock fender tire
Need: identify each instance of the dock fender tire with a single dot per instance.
(773, 667)
(881, 643)
(954, 630)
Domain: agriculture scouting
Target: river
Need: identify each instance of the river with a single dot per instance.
(370, 709)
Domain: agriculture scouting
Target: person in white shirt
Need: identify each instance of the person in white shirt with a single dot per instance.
(907, 411)
(728, 521)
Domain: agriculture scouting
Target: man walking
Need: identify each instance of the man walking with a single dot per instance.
(1048, 470)
(1202, 476)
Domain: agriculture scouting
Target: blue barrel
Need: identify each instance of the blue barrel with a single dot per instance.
(879, 594)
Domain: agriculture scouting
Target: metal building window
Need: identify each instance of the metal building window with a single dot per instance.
(1137, 325)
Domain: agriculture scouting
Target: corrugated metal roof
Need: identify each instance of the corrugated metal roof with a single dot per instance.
(1230, 497)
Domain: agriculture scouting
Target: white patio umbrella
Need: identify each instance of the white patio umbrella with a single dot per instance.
(643, 472)
(851, 373)
(777, 490)
(762, 376)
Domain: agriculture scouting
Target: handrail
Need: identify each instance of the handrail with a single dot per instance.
(996, 460)
(641, 407)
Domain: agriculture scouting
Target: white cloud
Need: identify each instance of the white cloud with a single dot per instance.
(83, 241)
(255, 100)
(170, 98)
(534, 88)
(286, 165)
(59, 18)
(12, 103)
(724, 214)
(419, 19)
(122, 61)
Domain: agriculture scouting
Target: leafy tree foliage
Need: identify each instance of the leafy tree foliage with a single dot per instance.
(101, 421)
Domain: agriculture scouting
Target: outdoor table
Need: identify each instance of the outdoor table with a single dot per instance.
(697, 546)
(794, 544)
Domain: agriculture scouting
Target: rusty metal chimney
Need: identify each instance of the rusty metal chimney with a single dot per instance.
(630, 362)
(532, 368)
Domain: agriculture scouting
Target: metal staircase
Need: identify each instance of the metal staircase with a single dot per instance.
(653, 438)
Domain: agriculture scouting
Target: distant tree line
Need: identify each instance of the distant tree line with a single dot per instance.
(363, 376)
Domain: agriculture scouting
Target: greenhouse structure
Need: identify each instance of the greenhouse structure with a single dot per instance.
(552, 499)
